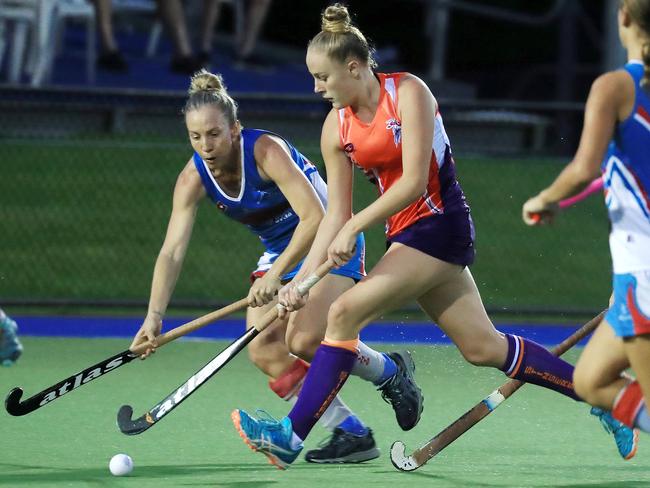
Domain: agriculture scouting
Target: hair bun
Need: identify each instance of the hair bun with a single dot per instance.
(336, 19)
(205, 81)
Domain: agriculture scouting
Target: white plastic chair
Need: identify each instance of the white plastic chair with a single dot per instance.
(75, 10)
(26, 18)
(42, 21)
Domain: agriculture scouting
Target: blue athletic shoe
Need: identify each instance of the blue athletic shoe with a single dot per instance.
(268, 436)
(627, 439)
(10, 346)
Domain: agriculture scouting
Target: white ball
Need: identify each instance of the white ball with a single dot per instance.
(120, 465)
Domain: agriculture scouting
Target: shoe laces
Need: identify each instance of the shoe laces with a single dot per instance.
(609, 423)
(338, 436)
(391, 392)
(267, 420)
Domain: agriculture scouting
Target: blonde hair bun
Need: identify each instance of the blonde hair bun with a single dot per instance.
(336, 19)
(205, 81)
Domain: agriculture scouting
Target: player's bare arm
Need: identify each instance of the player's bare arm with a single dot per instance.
(187, 194)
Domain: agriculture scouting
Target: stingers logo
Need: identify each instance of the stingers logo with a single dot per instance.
(395, 126)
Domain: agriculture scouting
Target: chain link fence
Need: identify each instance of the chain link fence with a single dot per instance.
(87, 178)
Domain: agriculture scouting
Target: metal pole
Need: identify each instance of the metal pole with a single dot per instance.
(437, 27)
(614, 53)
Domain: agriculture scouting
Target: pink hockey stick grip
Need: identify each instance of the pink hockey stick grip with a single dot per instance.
(593, 187)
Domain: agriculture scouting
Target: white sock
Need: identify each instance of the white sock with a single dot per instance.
(369, 364)
(336, 413)
(642, 420)
(295, 441)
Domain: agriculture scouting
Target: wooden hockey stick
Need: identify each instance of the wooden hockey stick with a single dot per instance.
(15, 407)
(421, 456)
(130, 426)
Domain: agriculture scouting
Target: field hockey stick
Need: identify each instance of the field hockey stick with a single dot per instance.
(17, 408)
(129, 426)
(593, 187)
(420, 456)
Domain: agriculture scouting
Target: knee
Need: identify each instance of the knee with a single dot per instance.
(482, 353)
(257, 356)
(340, 315)
(585, 384)
(477, 356)
(303, 345)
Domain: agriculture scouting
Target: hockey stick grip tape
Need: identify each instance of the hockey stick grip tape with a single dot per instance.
(193, 325)
(303, 288)
(311, 280)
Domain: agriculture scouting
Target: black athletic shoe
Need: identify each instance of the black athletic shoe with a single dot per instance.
(402, 392)
(344, 447)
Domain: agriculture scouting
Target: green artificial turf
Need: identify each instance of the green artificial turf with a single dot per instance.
(535, 439)
(84, 219)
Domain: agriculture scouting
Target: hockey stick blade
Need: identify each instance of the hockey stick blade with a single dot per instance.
(129, 426)
(421, 456)
(17, 408)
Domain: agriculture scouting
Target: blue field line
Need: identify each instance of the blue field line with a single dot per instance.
(126, 327)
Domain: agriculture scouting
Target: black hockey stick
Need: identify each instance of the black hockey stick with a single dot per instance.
(421, 456)
(130, 426)
(17, 408)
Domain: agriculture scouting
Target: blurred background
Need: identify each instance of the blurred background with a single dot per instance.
(91, 138)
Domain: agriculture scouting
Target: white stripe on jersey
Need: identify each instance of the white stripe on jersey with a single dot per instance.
(621, 189)
(440, 140)
(629, 212)
(243, 177)
(389, 84)
(377, 178)
(432, 206)
(642, 121)
(341, 112)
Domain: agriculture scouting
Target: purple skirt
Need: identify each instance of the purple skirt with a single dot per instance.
(448, 237)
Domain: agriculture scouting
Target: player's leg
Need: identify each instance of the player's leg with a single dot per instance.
(268, 351)
(392, 373)
(394, 280)
(351, 440)
(286, 374)
(457, 308)
(597, 375)
(398, 277)
(632, 407)
(598, 380)
(10, 346)
(307, 326)
(629, 317)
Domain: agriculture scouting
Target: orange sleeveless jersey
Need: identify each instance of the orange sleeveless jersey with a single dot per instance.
(376, 148)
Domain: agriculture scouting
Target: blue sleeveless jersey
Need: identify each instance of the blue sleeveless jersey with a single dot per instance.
(260, 205)
(627, 182)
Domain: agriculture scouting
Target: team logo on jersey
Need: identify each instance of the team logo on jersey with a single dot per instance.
(348, 149)
(395, 126)
(221, 206)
